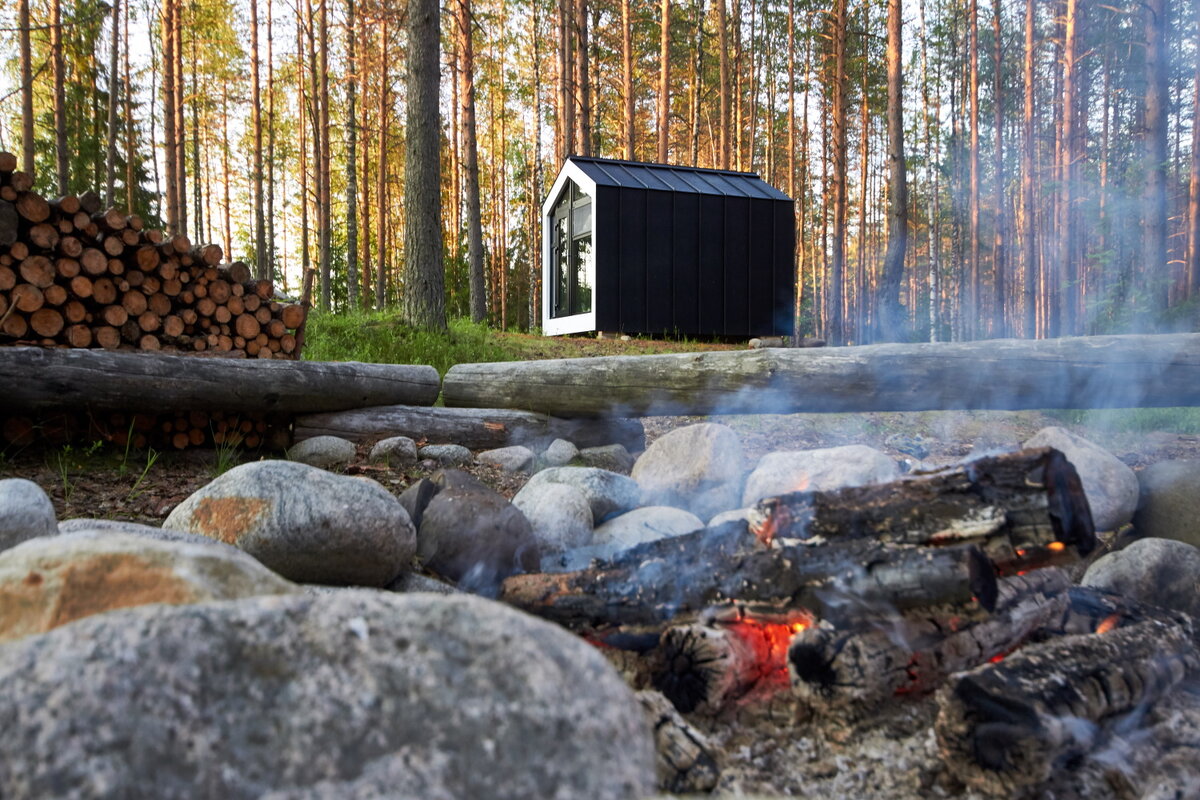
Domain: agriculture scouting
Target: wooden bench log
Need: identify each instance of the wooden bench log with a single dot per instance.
(1006, 374)
(477, 429)
(39, 379)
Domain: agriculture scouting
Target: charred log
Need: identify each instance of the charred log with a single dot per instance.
(853, 670)
(1007, 725)
(1026, 509)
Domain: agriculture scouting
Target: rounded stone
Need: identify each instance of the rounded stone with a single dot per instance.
(319, 696)
(612, 457)
(559, 453)
(308, 525)
(607, 492)
(446, 455)
(395, 451)
(825, 469)
(698, 468)
(516, 458)
(647, 524)
(1169, 502)
(1111, 486)
(476, 538)
(25, 512)
(323, 451)
(558, 514)
(1159, 572)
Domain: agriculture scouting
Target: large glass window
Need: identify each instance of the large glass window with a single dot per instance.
(571, 254)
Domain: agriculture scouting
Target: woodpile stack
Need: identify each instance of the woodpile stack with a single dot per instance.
(75, 275)
(162, 431)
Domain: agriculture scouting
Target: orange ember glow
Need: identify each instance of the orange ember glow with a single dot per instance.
(1108, 623)
(1056, 547)
(996, 659)
(769, 641)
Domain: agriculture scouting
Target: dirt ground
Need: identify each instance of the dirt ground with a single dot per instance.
(102, 481)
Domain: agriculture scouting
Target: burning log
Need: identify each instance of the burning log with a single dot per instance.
(854, 670)
(1007, 725)
(661, 581)
(1026, 509)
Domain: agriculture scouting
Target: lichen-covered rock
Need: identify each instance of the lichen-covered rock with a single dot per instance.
(1111, 487)
(698, 468)
(1169, 501)
(476, 538)
(319, 696)
(53, 580)
(607, 492)
(25, 512)
(646, 524)
(395, 451)
(516, 458)
(308, 525)
(559, 515)
(447, 455)
(1160, 572)
(326, 452)
(817, 470)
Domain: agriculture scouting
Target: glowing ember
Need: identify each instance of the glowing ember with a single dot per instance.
(1108, 623)
(1056, 547)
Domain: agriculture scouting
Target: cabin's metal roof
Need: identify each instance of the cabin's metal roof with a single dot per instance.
(669, 178)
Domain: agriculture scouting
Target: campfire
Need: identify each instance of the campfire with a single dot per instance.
(951, 584)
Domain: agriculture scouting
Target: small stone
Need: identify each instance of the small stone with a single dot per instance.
(1159, 572)
(647, 524)
(1169, 503)
(475, 538)
(608, 493)
(559, 453)
(822, 470)
(698, 468)
(326, 452)
(308, 525)
(447, 455)
(52, 580)
(1111, 487)
(559, 515)
(612, 457)
(516, 458)
(25, 512)
(395, 451)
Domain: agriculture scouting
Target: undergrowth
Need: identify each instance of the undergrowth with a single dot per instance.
(1135, 420)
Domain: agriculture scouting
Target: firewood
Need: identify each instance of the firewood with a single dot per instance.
(149, 342)
(251, 302)
(13, 324)
(90, 202)
(149, 322)
(43, 236)
(79, 336)
(67, 204)
(38, 270)
(8, 279)
(70, 246)
(150, 284)
(1005, 726)
(222, 315)
(107, 337)
(93, 261)
(8, 162)
(292, 316)
(75, 312)
(67, 267)
(112, 245)
(104, 291)
(46, 322)
(134, 302)
(81, 286)
(114, 315)
(159, 303)
(26, 297)
(247, 326)
(172, 326)
(32, 207)
(146, 257)
(209, 254)
(218, 290)
(55, 295)
(237, 272)
(264, 289)
(116, 266)
(130, 238)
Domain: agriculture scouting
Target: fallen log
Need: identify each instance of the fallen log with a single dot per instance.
(1026, 509)
(41, 379)
(476, 429)
(1007, 725)
(1008, 374)
(725, 566)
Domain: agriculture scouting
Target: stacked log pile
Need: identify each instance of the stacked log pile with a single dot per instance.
(175, 430)
(75, 275)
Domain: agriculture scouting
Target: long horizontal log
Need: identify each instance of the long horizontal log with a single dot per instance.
(1009, 374)
(38, 379)
(473, 428)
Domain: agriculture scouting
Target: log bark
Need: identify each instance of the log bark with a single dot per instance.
(40, 379)
(1007, 725)
(1025, 509)
(714, 570)
(477, 429)
(1082, 372)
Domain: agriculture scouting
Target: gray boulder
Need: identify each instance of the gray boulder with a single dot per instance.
(136, 529)
(516, 458)
(698, 468)
(1169, 503)
(447, 455)
(1110, 486)
(326, 452)
(559, 453)
(319, 696)
(25, 512)
(612, 457)
(306, 524)
(52, 580)
(818, 470)
(607, 492)
(1160, 572)
(395, 451)
(647, 524)
(475, 538)
(559, 515)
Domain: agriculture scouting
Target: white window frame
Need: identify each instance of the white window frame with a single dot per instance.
(576, 323)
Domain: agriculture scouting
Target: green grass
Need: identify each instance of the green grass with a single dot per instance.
(1134, 420)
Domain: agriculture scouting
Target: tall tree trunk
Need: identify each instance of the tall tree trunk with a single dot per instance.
(1154, 201)
(381, 176)
(302, 104)
(974, 298)
(583, 80)
(351, 157)
(697, 83)
(837, 332)
(270, 220)
(227, 175)
(62, 168)
(198, 192)
(424, 294)
(791, 112)
(664, 81)
(27, 145)
(256, 178)
(1067, 255)
(1193, 253)
(999, 236)
(466, 96)
(935, 237)
(180, 127)
(110, 159)
(565, 140)
(326, 211)
(1028, 211)
(627, 78)
(723, 48)
(130, 152)
(168, 114)
(891, 321)
(536, 177)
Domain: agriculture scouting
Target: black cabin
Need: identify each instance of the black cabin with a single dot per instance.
(649, 248)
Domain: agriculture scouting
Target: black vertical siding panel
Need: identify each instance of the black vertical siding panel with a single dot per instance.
(607, 296)
(737, 266)
(711, 265)
(632, 248)
(763, 256)
(684, 298)
(784, 267)
(659, 278)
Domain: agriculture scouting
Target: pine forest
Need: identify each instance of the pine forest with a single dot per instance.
(960, 170)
